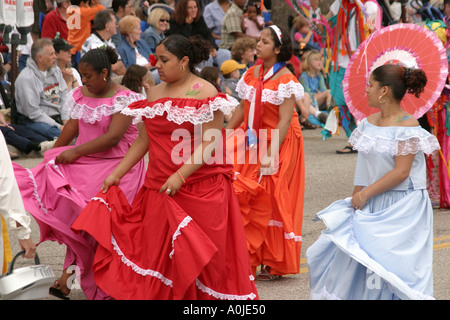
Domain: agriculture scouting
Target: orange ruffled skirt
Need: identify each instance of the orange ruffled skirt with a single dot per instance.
(272, 205)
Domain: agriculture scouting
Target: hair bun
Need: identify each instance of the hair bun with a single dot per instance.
(416, 80)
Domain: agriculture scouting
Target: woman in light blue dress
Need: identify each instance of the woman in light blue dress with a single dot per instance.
(378, 244)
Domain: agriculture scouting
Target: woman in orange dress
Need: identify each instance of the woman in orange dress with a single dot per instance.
(267, 150)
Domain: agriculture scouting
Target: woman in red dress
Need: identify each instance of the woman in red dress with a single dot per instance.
(182, 237)
(267, 147)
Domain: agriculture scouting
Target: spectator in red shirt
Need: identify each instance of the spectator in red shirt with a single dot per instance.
(55, 21)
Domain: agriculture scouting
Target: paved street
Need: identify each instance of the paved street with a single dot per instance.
(329, 177)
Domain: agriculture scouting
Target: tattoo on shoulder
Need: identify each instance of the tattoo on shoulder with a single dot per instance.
(399, 119)
(195, 90)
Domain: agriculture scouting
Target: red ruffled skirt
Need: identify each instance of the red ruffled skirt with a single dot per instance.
(189, 246)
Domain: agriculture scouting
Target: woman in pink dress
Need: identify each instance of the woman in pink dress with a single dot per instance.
(183, 237)
(56, 190)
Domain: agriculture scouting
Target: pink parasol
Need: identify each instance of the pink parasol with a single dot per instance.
(412, 45)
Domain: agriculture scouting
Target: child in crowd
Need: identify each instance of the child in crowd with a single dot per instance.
(252, 21)
(138, 79)
(304, 35)
(313, 82)
(230, 71)
(212, 75)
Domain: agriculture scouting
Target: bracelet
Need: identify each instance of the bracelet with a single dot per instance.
(359, 195)
(181, 176)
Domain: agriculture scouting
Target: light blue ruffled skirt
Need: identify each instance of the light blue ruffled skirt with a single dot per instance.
(382, 252)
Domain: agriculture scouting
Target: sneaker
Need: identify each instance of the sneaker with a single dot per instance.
(46, 145)
(323, 117)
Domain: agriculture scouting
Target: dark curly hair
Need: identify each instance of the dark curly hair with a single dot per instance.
(100, 59)
(401, 80)
(196, 49)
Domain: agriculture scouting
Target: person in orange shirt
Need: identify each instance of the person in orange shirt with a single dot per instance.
(80, 15)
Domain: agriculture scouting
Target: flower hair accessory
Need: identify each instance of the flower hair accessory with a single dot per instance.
(277, 32)
(152, 60)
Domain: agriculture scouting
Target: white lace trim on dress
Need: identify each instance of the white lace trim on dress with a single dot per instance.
(287, 236)
(35, 191)
(183, 224)
(160, 276)
(92, 115)
(395, 147)
(180, 114)
(285, 90)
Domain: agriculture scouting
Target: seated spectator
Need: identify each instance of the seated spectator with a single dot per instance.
(187, 21)
(244, 51)
(304, 35)
(56, 21)
(132, 49)
(105, 27)
(77, 35)
(214, 13)
(232, 24)
(63, 57)
(121, 8)
(313, 80)
(138, 79)
(23, 138)
(230, 71)
(253, 21)
(212, 75)
(41, 91)
(158, 23)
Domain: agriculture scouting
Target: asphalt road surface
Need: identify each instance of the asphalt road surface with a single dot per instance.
(329, 177)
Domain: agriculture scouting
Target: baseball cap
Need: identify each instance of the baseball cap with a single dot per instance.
(229, 66)
(61, 44)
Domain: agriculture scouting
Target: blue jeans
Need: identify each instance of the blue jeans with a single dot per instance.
(21, 137)
(41, 128)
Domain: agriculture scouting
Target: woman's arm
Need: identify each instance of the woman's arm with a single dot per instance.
(238, 116)
(136, 152)
(198, 157)
(117, 128)
(286, 110)
(69, 132)
(389, 181)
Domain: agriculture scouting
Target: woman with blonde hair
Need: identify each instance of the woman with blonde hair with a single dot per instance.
(133, 50)
(158, 22)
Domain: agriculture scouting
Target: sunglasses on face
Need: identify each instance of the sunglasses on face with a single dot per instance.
(164, 20)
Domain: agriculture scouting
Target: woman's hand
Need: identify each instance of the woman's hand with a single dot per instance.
(172, 185)
(267, 166)
(359, 200)
(67, 156)
(110, 180)
(29, 247)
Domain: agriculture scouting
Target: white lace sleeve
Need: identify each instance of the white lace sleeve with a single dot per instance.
(181, 113)
(407, 141)
(285, 90)
(92, 115)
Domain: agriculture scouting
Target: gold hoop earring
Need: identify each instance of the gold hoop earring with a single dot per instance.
(182, 68)
(104, 79)
(379, 99)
